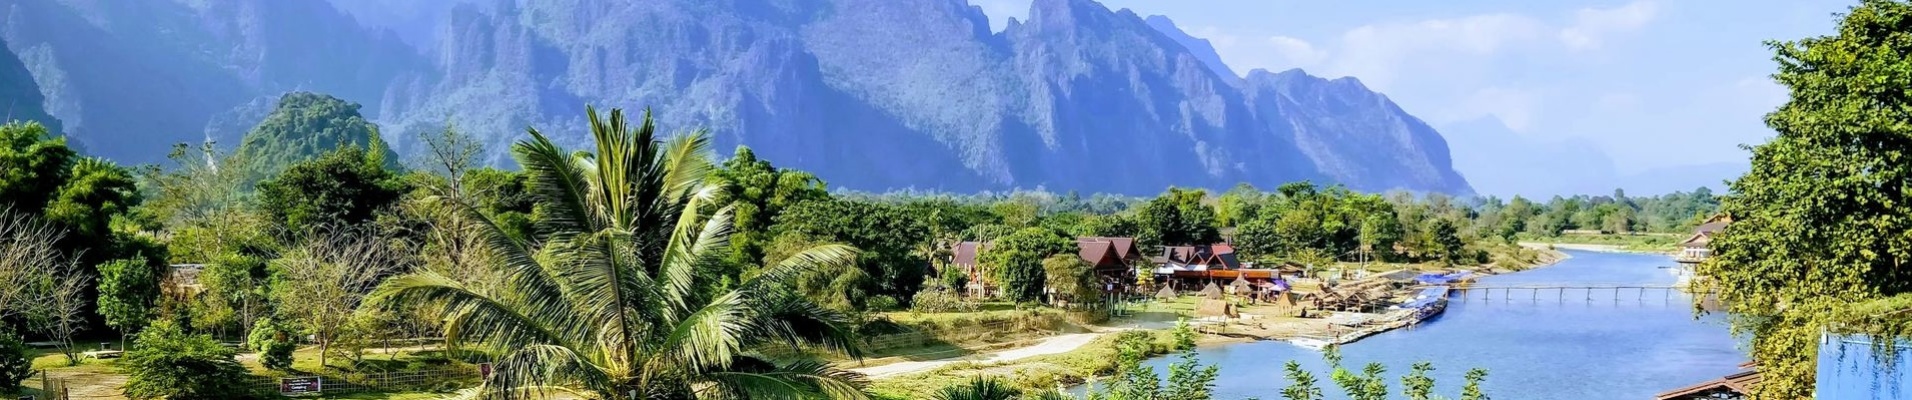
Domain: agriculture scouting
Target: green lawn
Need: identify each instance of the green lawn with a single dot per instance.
(1643, 242)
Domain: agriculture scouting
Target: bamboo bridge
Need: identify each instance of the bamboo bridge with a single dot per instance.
(1564, 293)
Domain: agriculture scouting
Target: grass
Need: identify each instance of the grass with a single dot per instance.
(1035, 373)
(388, 396)
(1642, 242)
(957, 333)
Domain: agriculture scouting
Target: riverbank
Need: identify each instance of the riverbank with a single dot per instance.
(1072, 359)
(1644, 243)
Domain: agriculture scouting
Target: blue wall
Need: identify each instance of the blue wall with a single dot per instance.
(1850, 369)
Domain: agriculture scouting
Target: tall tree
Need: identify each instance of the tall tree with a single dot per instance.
(887, 235)
(608, 307)
(1179, 217)
(1016, 261)
(758, 192)
(129, 289)
(346, 186)
(1820, 220)
(322, 282)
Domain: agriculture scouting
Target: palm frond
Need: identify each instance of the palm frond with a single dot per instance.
(686, 163)
(710, 337)
(978, 388)
(536, 370)
(758, 379)
(796, 321)
(685, 252)
(560, 185)
(787, 271)
(472, 317)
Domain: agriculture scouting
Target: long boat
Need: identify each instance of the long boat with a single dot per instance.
(1432, 301)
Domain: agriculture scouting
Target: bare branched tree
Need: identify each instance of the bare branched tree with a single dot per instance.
(63, 314)
(326, 278)
(452, 153)
(28, 261)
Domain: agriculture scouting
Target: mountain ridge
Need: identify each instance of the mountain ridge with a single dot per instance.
(868, 94)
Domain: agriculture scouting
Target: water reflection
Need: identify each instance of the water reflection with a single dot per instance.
(1535, 345)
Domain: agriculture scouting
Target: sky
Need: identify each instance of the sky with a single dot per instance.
(1653, 83)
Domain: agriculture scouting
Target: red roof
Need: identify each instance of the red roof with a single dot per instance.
(1099, 254)
(1124, 247)
(966, 253)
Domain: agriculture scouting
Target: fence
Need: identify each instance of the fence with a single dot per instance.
(443, 378)
(48, 387)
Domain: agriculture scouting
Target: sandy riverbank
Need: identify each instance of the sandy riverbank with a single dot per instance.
(1267, 322)
(1603, 248)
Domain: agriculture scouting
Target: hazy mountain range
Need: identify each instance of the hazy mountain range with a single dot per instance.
(869, 94)
(1499, 161)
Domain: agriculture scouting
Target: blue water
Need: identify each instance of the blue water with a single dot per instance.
(1551, 348)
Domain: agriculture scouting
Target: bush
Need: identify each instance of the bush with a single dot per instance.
(883, 303)
(940, 301)
(14, 364)
(274, 342)
(167, 362)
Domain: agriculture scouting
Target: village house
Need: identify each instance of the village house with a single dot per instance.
(1193, 267)
(1114, 260)
(1694, 249)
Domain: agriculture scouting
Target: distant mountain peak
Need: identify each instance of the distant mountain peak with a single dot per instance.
(1201, 48)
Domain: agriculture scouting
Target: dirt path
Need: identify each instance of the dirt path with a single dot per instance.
(1052, 345)
(93, 384)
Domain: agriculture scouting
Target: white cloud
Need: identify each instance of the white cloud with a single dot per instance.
(1296, 51)
(1450, 69)
(1592, 25)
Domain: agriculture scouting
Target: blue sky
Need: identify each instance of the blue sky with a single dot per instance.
(1654, 83)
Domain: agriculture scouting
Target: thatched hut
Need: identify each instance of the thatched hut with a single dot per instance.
(1166, 293)
(1212, 292)
(1240, 286)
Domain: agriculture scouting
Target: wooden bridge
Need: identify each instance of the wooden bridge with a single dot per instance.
(1566, 292)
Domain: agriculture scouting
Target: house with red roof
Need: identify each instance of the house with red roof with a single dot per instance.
(1114, 260)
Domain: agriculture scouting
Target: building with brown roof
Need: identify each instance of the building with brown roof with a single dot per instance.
(1736, 386)
(1695, 248)
(1113, 259)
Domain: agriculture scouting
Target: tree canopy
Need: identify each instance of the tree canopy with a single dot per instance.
(305, 125)
(1822, 220)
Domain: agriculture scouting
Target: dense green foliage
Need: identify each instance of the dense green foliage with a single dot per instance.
(304, 126)
(346, 186)
(274, 341)
(1821, 219)
(1177, 218)
(1071, 278)
(757, 193)
(129, 290)
(168, 362)
(886, 235)
(1016, 261)
(14, 364)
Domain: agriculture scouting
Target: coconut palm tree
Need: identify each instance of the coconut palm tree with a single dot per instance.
(608, 303)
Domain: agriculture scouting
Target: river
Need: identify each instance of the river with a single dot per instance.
(1550, 348)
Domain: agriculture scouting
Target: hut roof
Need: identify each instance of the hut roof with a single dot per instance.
(1165, 293)
(1212, 291)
